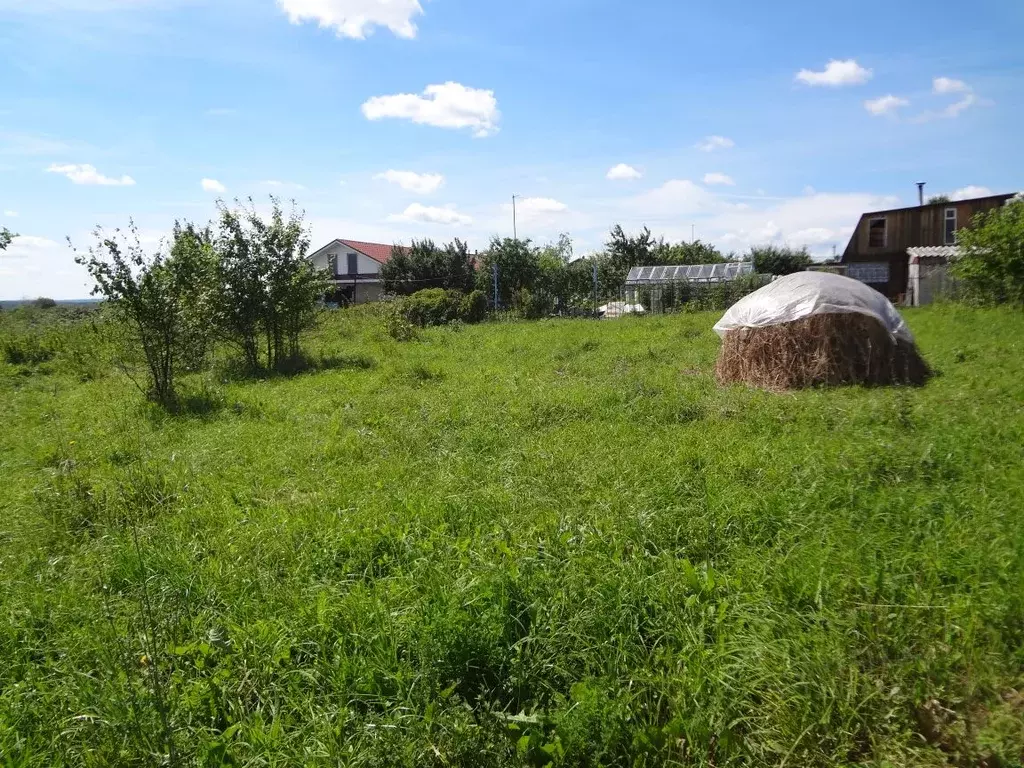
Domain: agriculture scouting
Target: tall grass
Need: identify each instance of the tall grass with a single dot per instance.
(518, 544)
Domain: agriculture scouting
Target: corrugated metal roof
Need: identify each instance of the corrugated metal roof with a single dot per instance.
(933, 251)
(702, 273)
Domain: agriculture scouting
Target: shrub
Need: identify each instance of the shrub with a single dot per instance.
(27, 350)
(44, 302)
(434, 306)
(991, 269)
(473, 307)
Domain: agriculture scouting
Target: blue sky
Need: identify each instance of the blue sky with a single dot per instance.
(393, 119)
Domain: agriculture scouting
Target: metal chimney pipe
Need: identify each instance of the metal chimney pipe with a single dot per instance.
(920, 192)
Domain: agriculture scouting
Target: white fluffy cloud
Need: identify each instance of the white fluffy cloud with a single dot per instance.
(711, 143)
(420, 183)
(37, 266)
(433, 215)
(450, 105)
(623, 172)
(538, 206)
(885, 105)
(971, 191)
(836, 73)
(949, 85)
(11, 214)
(356, 18)
(87, 174)
(212, 185)
(718, 178)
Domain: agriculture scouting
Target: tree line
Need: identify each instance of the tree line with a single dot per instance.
(535, 280)
(243, 281)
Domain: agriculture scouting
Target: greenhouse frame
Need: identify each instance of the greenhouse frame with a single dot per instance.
(663, 288)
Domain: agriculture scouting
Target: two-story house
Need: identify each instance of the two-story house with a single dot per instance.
(354, 268)
(877, 252)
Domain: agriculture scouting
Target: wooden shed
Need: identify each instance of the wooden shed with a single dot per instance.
(877, 252)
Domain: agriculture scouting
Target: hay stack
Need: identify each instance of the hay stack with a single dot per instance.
(824, 349)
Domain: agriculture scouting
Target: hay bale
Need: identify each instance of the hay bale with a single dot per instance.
(824, 349)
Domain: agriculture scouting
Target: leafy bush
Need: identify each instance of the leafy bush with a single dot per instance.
(44, 302)
(27, 350)
(779, 259)
(991, 269)
(473, 307)
(436, 306)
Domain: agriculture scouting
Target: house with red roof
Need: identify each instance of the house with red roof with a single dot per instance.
(354, 268)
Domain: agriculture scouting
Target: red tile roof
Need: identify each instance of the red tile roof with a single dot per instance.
(376, 251)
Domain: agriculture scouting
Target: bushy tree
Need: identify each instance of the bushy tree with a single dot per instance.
(6, 236)
(426, 265)
(155, 298)
(518, 269)
(935, 199)
(991, 266)
(697, 252)
(267, 290)
(779, 259)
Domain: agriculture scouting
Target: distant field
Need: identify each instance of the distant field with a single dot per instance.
(539, 543)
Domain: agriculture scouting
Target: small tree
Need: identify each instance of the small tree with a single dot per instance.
(155, 298)
(518, 269)
(6, 236)
(425, 266)
(697, 252)
(779, 260)
(936, 199)
(991, 265)
(267, 290)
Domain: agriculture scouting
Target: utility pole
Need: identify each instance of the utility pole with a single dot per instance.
(515, 233)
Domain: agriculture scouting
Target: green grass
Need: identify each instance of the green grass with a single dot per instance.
(516, 544)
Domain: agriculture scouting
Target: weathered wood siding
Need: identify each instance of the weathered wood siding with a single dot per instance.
(906, 227)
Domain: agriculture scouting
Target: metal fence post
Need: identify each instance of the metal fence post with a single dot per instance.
(595, 289)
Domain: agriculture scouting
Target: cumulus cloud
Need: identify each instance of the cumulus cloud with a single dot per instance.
(885, 105)
(718, 178)
(623, 172)
(449, 105)
(971, 191)
(37, 266)
(420, 183)
(837, 73)
(212, 185)
(538, 206)
(711, 143)
(356, 18)
(433, 215)
(949, 85)
(87, 174)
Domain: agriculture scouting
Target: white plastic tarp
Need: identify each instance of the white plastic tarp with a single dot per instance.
(620, 308)
(804, 294)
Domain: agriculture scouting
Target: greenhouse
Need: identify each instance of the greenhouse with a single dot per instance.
(668, 287)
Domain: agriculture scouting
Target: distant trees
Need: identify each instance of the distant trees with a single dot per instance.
(991, 265)
(518, 264)
(935, 199)
(6, 236)
(248, 284)
(779, 259)
(426, 265)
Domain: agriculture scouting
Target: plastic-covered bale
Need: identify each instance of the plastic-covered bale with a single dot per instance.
(817, 329)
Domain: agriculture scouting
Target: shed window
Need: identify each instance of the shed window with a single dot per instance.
(332, 265)
(950, 226)
(876, 233)
(353, 264)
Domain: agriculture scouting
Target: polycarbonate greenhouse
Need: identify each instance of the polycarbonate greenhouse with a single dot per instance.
(707, 286)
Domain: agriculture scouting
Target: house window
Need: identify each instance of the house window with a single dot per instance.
(353, 264)
(876, 233)
(332, 265)
(950, 226)
(869, 272)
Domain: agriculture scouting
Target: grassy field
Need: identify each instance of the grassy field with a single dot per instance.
(514, 544)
